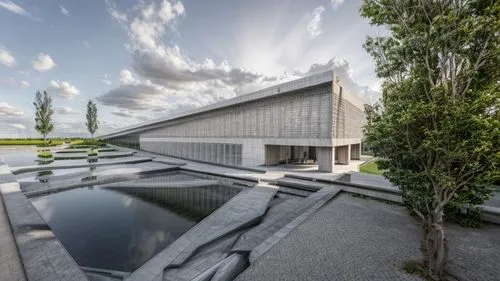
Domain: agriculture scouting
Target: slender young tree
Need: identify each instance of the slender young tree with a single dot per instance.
(91, 123)
(437, 129)
(43, 114)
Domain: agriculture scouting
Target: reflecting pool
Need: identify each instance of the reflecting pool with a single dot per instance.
(112, 230)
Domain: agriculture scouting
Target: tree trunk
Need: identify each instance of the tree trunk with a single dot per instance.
(434, 246)
(45, 140)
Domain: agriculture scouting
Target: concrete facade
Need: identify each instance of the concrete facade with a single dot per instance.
(312, 119)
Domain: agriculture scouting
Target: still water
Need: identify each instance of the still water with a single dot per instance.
(110, 230)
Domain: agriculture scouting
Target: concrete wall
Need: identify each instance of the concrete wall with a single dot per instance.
(295, 115)
(316, 116)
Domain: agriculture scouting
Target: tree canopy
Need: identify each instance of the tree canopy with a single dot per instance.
(437, 128)
(92, 123)
(43, 114)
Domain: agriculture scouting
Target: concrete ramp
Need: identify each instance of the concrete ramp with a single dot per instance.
(242, 211)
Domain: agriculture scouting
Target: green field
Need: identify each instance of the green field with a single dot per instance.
(29, 142)
(38, 142)
(371, 168)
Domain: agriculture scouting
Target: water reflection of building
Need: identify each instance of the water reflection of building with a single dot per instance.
(191, 202)
(310, 120)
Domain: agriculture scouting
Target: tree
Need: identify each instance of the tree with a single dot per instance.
(43, 114)
(436, 130)
(91, 123)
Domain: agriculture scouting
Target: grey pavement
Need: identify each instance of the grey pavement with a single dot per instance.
(353, 238)
(11, 268)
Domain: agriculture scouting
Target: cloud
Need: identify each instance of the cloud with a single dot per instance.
(63, 10)
(65, 110)
(63, 89)
(112, 10)
(10, 6)
(107, 82)
(123, 113)
(336, 3)
(126, 77)
(136, 97)
(9, 110)
(86, 43)
(6, 58)
(43, 62)
(313, 27)
(342, 69)
(164, 79)
(24, 84)
(18, 126)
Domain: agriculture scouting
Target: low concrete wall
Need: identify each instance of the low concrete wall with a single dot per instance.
(42, 254)
(490, 214)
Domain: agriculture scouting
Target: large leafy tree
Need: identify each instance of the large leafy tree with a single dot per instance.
(92, 123)
(43, 114)
(437, 127)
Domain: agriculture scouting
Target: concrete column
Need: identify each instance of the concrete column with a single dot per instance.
(356, 151)
(343, 154)
(326, 158)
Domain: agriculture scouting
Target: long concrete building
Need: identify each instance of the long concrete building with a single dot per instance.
(309, 120)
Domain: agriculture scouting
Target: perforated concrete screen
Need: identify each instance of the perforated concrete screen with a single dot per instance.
(285, 123)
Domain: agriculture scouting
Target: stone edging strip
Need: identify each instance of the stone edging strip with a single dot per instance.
(102, 180)
(34, 168)
(42, 254)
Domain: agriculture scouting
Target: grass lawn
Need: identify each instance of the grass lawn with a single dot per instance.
(371, 168)
(28, 142)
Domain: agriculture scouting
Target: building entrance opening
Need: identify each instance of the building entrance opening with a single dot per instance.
(290, 154)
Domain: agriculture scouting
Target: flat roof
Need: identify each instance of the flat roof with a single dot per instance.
(282, 88)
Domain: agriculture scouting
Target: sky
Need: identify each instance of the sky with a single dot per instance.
(145, 59)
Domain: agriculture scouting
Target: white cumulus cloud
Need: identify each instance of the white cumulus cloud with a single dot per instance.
(9, 110)
(63, 89)
(6, 58)
(313, 27)
(43, 62)
(24, 84)
(65, 110)
(126, 76)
